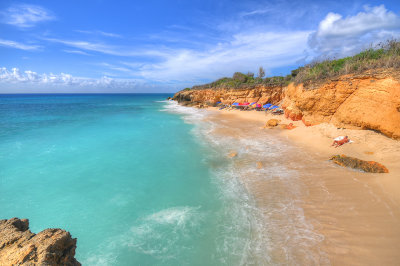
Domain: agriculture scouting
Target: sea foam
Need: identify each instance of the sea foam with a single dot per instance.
(264, 203)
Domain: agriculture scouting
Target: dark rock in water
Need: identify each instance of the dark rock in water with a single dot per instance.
(19, 246)
(366, 166)
(169, 98)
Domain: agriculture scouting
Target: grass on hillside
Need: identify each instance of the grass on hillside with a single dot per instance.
(384, 55)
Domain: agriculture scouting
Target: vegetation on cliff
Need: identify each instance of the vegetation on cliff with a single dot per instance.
(384, 55)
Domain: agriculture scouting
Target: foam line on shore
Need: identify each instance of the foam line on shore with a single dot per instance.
(276, 228)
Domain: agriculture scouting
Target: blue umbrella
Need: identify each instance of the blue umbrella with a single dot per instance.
(273, 107)
(235, 104)
(268, 105)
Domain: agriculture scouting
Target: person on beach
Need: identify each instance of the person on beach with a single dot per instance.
(339, 141)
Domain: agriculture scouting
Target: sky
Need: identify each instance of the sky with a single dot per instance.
(121, 46)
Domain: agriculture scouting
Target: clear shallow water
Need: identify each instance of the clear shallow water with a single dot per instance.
(126, 175)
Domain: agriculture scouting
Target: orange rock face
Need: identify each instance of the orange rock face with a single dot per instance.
(19, 246)
(259, 94)
(367, 101)
(293, 115)
(357, 101)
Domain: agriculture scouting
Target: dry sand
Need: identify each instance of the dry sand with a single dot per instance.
(357, 214)
(367, 145)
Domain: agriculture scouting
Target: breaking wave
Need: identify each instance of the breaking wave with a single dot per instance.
(264, 203)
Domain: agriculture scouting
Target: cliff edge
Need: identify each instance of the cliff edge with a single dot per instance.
(258, 93)
(370, 100)
(367, 101)
(19, 246)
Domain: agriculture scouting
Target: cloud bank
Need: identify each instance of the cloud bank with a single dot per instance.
(183, 58)
(18, 45)
(62, 80)
(245, 52)
(26, 16)
(338, 36)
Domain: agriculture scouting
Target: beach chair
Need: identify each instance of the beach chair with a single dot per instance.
(266, 106)
(273, 107)
(278, 111)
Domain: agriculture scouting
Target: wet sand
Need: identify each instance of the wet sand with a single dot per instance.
(315, 212)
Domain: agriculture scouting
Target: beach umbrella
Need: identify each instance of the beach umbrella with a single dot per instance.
(235, 104)
(258, 105)
(253, 103)
(273, 107)
(268, 105)
(243, 104)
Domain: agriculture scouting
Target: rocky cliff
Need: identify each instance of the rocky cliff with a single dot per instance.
(19, 246)
(366, 101)
(260, 94)
(361, 101)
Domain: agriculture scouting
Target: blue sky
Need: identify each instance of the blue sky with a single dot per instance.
(164, 46)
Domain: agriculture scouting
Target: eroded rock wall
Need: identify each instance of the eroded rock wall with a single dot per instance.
(364, 101)
(19, 246)
(259, 94)
(351, 101)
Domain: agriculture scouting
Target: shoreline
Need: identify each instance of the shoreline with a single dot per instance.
(353, 215)
(367, 144)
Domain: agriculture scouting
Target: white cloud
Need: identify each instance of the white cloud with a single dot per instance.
(122, 51)
(26, 16)
(76, 52)
(15, 76)
(256, 12)
(17, 45)
(245, 52)
(88, 46)
(109, 34)
(99, 32)
(343, 36)
(117, 68)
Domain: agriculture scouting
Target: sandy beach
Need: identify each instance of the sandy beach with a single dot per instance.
(330, 215)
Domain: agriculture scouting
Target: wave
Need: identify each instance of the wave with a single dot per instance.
(265, 202)
(190, 115)
(158, 235)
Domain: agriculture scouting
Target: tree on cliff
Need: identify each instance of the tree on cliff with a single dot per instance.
(261, 72)
(237, 76)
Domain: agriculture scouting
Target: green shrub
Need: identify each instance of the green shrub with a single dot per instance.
(384, 55)
(237, 76)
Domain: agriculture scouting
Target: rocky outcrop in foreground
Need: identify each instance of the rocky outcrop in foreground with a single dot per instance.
(366, 166)
(19, 246)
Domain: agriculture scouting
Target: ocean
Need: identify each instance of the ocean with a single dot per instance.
(131, 176)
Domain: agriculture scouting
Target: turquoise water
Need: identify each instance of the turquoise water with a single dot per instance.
(126, 176)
